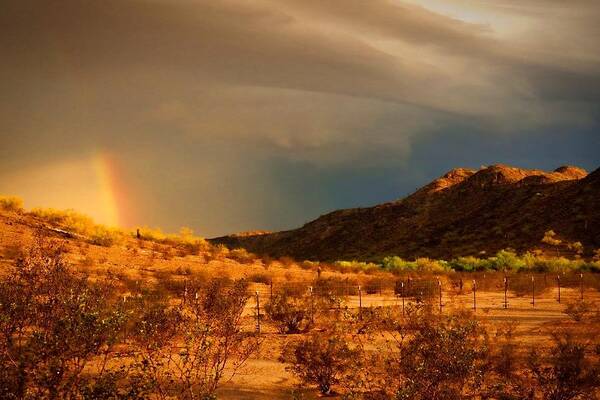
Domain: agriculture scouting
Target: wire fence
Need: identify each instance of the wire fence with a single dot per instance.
(480, 292)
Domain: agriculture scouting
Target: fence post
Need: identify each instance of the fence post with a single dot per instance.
(505, 292)
(312, 308)
(532, 291)
(581, 285)
(402, 294)
(474, 295)
(271, 291)
(257, 312)
(440, 289)
(359, 303)
(558, 283)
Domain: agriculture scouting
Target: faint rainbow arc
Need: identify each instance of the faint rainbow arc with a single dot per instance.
(109, 189)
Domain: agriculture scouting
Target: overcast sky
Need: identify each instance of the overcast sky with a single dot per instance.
(238, 115)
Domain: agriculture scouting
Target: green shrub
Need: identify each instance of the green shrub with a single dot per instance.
(506, 260)
(469, 264)
(397, 264)
(356, 266)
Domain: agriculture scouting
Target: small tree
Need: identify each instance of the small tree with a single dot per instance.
(551, 239)
(445, 359)
(566, 372)
(195, 343)
(11, 203)
(291, 312)
(53, 324)
(321, 359)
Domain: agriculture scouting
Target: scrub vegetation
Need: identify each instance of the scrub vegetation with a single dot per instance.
(172, 316)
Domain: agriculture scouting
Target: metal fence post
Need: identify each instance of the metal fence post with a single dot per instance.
(581, 285)
(505, 292)
(474, 295)
(312, 308)
(532, 290)
(558, 284)
(402, 294)
(359, 302)
(257, 312)
(440, 289)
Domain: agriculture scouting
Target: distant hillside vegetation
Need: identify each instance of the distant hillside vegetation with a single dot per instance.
(464, 212)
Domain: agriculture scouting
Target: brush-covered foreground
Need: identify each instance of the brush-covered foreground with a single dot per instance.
(154, 317)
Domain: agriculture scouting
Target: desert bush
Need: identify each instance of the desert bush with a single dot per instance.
(11, 203)
(506, 260)
(79, 224)
(68, 219)
(260, 277)
(503, 355)
(103, 236)
(151, 234)
(418, 355)
(290, 311)
(219, 252)
(372, 320)
(185, 242)
(322, 359)
(579, 310)
(421, 290)
(53, 324)
(567, 371)
(550, 238)
(430, 265)
(397, 264)
(444, 359)
(335, 287)
(522, 285)
(356, 267)
(374, 285)
(242, 256)
(189, 348)
(593, 267)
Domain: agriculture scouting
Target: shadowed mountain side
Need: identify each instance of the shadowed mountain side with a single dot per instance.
(465, 212)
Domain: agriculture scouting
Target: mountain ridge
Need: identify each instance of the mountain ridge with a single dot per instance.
(463, 212)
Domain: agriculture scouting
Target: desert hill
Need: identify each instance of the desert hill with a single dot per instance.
(464, 212)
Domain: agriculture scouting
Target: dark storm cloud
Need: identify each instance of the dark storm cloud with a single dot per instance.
(204, 100)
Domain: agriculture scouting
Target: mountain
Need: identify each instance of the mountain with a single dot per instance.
(464, 212)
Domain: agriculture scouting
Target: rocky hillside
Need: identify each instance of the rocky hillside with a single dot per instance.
(464, 212)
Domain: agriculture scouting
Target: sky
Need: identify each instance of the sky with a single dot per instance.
(236, 115)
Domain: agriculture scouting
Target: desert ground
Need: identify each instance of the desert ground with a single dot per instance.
(139, 262)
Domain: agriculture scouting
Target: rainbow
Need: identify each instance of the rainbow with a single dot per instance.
(112, 191)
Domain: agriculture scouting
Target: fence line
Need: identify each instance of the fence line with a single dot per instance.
(405, 289)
